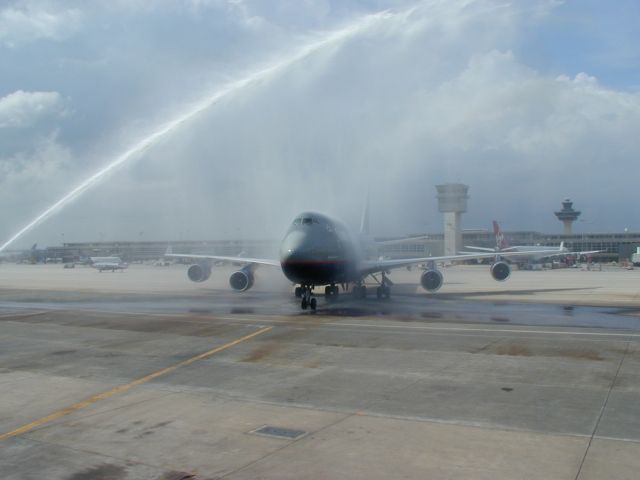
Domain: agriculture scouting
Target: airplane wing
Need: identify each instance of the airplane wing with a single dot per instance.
(565, 254)
(482, 249)
(486, 249)
(464, 252)
(258, 261)
(586, 252)
(400, 241)
(374, 266)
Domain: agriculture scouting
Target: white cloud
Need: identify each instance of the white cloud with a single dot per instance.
(23, 109)
(25, 22)
(29, 179)
(443, 93)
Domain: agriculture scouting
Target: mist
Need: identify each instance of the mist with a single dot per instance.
(437, 92)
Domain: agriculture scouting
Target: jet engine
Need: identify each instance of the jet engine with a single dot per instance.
(199, 272)
(431, 280)
(500, 271)
(242, 280)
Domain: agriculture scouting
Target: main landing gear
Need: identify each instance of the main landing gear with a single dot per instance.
(383, 291)
(308, 301)
(331, 293)
(359, 291)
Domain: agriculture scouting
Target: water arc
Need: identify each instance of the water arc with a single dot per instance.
(259, 74)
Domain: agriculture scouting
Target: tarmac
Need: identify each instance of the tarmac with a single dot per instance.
(143, 374)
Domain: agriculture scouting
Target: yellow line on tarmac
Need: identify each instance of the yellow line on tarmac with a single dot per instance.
(127, 386)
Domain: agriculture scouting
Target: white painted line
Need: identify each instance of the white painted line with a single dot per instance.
(491, 330)
(395, 327)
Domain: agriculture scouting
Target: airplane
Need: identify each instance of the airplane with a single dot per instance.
(32, 256)
(320, 251)
(536, 252)
(108, 263)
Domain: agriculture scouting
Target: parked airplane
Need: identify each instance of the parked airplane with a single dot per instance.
(33, 255)
(318, 250)
(536, 252)
(108, 263)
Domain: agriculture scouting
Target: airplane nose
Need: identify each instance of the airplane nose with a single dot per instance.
(295, 245)
(304, 258)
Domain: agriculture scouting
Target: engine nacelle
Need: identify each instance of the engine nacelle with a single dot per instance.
(500, 271)
(431, 280)
(199, 272)
(242, 280)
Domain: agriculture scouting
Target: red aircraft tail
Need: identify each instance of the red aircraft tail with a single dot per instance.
(501, 242)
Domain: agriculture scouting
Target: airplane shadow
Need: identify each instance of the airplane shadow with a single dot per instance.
(530, 291)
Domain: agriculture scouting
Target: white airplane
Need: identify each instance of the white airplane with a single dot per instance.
(108, 263)
(320, 251)
(536, 252)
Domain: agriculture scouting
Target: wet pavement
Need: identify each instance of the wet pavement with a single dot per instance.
(185, 383)
(405, 308)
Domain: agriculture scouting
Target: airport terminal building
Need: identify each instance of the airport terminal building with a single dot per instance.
(452, 203)
(614, 246)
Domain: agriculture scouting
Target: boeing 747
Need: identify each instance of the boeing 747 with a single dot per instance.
(320, 251)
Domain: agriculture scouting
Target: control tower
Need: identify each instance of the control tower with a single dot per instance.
(567, 215)
(452, 202)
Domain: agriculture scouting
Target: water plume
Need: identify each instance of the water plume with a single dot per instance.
(260, 74)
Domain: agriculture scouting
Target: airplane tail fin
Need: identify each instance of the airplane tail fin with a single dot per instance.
(169, 250)
(364, 221)
(561, 246)
(501, 242)
(34, 246)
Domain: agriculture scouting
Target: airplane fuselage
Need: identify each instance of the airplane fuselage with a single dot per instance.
(110, 266)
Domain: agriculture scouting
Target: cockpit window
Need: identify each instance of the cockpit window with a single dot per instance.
(305, 221)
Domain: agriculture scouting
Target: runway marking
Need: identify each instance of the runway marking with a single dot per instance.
(127, 386)
(602, 410)
(20, 316)
(625, 333)
(265, 319)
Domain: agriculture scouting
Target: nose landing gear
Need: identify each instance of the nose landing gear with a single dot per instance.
(307, 300)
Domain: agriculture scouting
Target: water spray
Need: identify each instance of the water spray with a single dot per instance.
(260, 74)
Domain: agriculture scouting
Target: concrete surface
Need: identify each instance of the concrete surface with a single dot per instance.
(421, 386)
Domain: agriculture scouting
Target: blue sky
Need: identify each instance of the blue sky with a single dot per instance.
(527, 102)
(592, 36)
